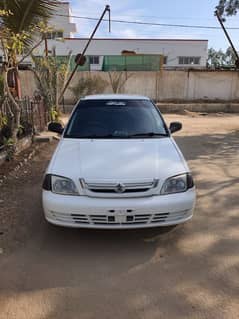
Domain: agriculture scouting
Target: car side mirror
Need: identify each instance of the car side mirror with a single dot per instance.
(175, 126)
(55, 127)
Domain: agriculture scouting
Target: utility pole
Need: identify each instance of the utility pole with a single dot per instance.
(80, 58)
(228, 38)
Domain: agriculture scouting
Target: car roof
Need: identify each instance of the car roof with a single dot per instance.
(115, 97)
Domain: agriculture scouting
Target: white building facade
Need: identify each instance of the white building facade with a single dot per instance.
(61, 23)
(178, 53)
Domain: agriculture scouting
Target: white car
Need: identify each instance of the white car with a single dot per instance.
(117, 167)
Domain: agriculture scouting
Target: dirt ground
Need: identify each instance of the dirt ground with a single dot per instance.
(189, 271)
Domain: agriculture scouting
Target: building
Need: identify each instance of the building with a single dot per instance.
(178, 53)
(61, 22)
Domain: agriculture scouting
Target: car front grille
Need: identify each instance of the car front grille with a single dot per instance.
(115, 219)
(93, 189)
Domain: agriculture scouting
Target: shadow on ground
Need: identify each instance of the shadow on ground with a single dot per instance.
(188, 271)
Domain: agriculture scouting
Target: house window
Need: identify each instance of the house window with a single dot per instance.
(54, 35)
(187, 60)
(59, 34)
(94, 59)
(165, 59)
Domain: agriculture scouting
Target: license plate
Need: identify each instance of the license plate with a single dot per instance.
(120, 218)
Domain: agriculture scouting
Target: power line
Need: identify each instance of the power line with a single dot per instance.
(165, 17)
(150, 23)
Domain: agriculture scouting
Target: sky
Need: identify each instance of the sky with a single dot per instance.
(187, 12)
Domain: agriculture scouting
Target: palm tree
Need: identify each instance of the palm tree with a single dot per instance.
(26, 14)
(21, 30)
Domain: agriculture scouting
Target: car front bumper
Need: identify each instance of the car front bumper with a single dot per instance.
(124, 213)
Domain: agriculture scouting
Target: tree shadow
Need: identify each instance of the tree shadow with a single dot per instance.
(190, 271)
(209, 147)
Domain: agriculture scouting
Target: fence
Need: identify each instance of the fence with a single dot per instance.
(132, 63)
(191, 85)
(34, 113)
(116, 62)
(64, 60)
(33, 118)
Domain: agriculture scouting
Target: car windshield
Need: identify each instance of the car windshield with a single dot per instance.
(116, 119)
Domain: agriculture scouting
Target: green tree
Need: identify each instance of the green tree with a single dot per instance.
(230, 56)
(227, 7)
(51, 74)
(215, 58)
(219, 58)
(22, 22)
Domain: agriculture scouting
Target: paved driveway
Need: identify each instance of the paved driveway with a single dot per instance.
(191, 271)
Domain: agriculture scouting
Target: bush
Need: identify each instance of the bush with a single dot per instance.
(87, 86)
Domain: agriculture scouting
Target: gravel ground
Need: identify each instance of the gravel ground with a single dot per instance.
(189, 271)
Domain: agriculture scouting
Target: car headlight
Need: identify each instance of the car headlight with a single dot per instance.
(177, 184)
(60, 185)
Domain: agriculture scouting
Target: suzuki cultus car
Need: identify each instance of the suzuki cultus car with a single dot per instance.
(117, 167)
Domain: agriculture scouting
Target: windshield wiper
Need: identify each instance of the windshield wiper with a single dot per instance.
(121, 136)
(148, 134)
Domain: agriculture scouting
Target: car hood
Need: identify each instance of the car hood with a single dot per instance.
(117, 160)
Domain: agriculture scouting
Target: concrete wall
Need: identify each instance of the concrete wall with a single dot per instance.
(162, 86)
(225, 107)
